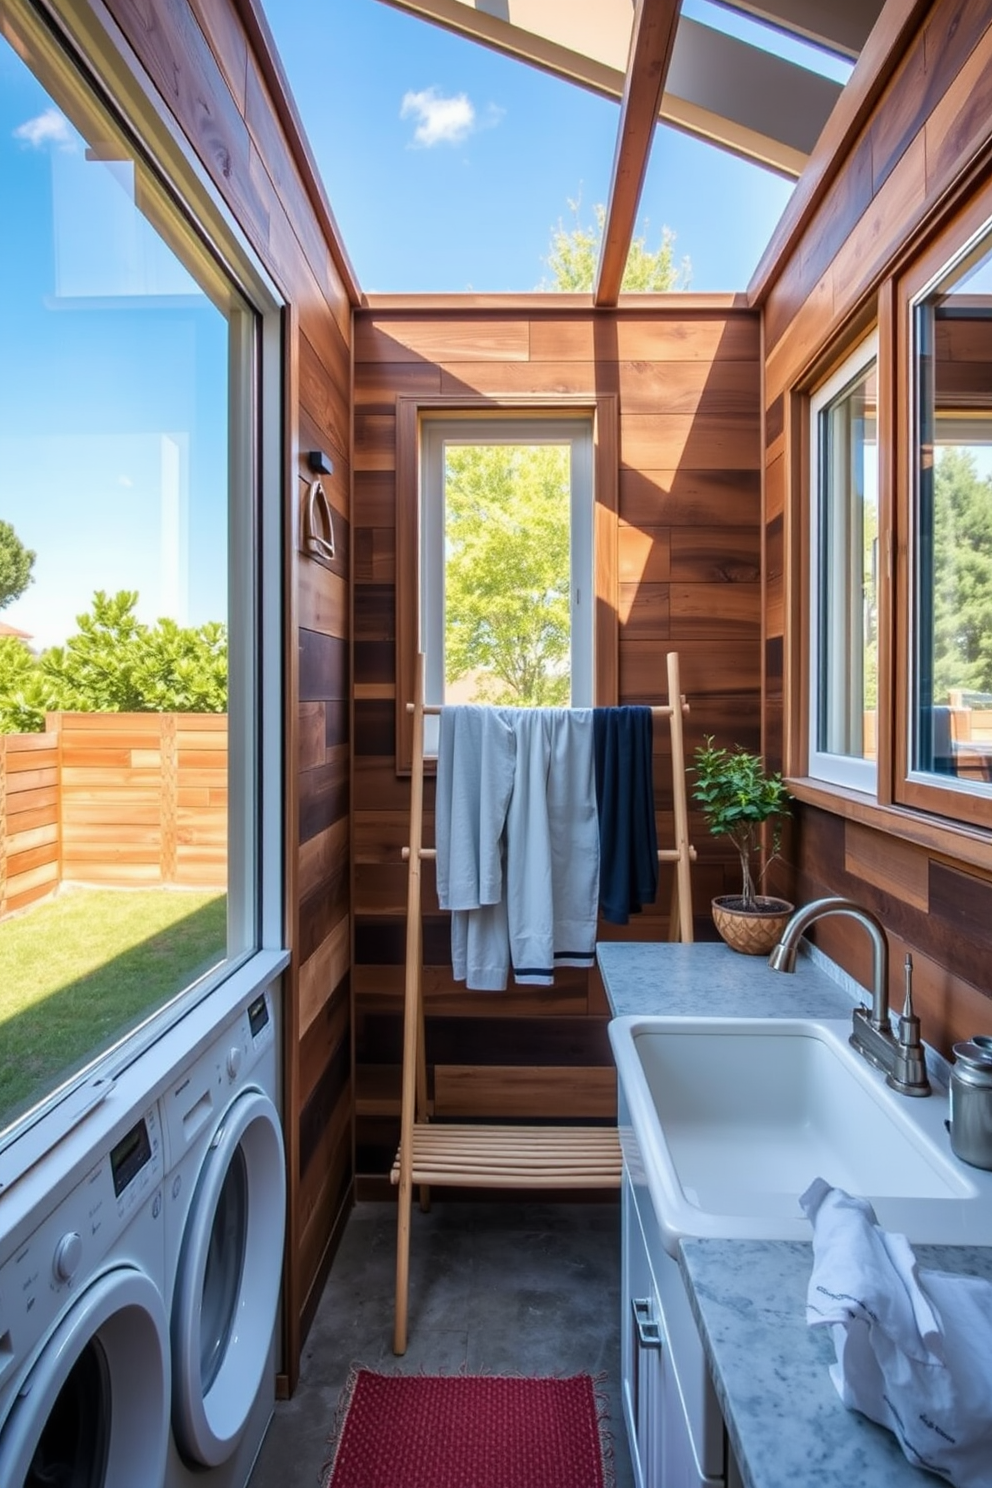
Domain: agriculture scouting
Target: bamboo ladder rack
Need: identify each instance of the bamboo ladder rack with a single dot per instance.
(477, 1156)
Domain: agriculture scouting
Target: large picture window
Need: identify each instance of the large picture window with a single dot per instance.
(132, 574)
(844, 574)
(506, 592)
(506, 512)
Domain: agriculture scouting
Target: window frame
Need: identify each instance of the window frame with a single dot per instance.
(412, 415)
(73, 47)
(963, 804)
(436, 433)
(841, 770)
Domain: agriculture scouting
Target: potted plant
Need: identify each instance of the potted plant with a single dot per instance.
(737, 797)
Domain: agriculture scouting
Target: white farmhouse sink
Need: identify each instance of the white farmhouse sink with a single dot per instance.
(728, 1121)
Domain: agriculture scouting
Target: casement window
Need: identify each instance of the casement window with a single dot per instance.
(944, 588)
(507, 514)
(140, 355)
(843, 621)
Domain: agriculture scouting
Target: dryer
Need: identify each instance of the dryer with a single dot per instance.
(225, 1198)
(84, 1335)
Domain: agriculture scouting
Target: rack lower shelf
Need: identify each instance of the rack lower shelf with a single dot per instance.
(514, 1156)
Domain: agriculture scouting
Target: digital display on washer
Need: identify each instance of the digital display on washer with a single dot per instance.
(258, 1015)
(129, 1156)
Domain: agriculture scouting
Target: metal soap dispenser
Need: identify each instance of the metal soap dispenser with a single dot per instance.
(971, 1101)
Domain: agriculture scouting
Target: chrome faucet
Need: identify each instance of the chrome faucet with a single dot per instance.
(901, 1058)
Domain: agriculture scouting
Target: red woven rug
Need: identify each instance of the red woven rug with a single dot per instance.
(469, 1431)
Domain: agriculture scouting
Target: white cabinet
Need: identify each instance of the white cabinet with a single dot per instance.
(673, 1420)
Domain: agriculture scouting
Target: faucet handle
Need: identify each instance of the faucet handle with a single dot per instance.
(909, 1023)
(910, 1073)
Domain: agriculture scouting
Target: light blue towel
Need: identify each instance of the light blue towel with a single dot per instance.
(475, 771)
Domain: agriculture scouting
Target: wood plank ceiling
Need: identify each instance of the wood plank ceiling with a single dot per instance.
(665, 66)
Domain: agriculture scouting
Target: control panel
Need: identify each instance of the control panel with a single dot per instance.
(68, 1246)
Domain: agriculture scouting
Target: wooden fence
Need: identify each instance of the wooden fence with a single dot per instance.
(117, 799)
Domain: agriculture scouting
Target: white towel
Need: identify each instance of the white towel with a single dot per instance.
(914, 1347)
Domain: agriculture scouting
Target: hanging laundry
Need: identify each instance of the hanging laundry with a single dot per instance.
(628, 840)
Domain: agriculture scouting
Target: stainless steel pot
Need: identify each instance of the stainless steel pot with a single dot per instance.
(971, 1101)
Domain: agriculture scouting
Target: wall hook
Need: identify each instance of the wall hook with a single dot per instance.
(318, 523)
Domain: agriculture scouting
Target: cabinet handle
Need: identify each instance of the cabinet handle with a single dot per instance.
(646, 1327)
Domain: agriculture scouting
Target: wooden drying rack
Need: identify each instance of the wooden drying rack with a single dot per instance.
(476, 1156)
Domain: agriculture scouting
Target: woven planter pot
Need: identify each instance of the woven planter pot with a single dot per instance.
(752, 932)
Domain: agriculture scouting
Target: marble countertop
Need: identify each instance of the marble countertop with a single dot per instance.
(783, 1415)
(785, 1420)
(710, 980)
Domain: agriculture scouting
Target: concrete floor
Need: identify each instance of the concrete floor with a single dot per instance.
(529, 1289)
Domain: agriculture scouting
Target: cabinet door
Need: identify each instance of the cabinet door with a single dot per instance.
(641, 1345)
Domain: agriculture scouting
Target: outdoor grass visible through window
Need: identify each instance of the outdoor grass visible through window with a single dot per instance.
(79, 970)
(507, 586)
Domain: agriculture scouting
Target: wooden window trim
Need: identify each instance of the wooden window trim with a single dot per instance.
(959, 804)
(604, 413)
(951, 839)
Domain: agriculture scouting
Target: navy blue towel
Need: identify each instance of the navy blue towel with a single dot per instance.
(628, 839)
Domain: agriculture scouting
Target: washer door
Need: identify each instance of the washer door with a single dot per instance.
(93, 1411)
(227, 1285)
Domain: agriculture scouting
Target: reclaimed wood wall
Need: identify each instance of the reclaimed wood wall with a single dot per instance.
(687, 378)
(212, 65)
(912, 154)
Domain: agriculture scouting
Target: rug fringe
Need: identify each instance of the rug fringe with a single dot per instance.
(337, 1423)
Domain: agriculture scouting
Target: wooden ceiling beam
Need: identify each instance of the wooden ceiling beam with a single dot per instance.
(651, 43)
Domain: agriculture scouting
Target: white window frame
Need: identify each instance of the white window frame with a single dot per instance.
(511, 427)
(837, 769)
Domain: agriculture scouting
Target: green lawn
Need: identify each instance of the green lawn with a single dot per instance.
(79, 970)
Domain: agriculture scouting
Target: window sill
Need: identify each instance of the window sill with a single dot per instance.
(964, 843)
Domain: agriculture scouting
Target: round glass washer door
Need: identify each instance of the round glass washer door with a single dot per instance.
(93, 1412)
(227, 1285)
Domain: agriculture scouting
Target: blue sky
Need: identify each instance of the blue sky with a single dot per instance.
(503, 149)
(113, 385)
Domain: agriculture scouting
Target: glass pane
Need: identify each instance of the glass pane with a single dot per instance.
(116, 342)
(223, 1271)
(507, 610)
(847, 573)
(952, 733)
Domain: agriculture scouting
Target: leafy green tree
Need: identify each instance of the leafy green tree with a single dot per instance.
(962, 575)
(507, 575)
(22, 692)
(16, 563)
(574, 256)
(115, 664)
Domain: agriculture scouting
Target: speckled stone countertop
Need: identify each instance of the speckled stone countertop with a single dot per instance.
(785, 1419)
(709, 980)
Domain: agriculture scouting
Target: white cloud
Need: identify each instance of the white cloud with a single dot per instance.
(51, 127)
(439, 120)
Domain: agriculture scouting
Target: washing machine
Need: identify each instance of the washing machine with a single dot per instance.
(84, 1331)
(225, 1198)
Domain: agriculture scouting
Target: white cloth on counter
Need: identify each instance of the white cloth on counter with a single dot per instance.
(475, 769)
(914, 1347)
(517, 837)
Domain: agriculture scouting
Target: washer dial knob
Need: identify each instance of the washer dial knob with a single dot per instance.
(68, 1254)
(234, 1058)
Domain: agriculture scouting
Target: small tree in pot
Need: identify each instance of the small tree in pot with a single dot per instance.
(737, 797)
